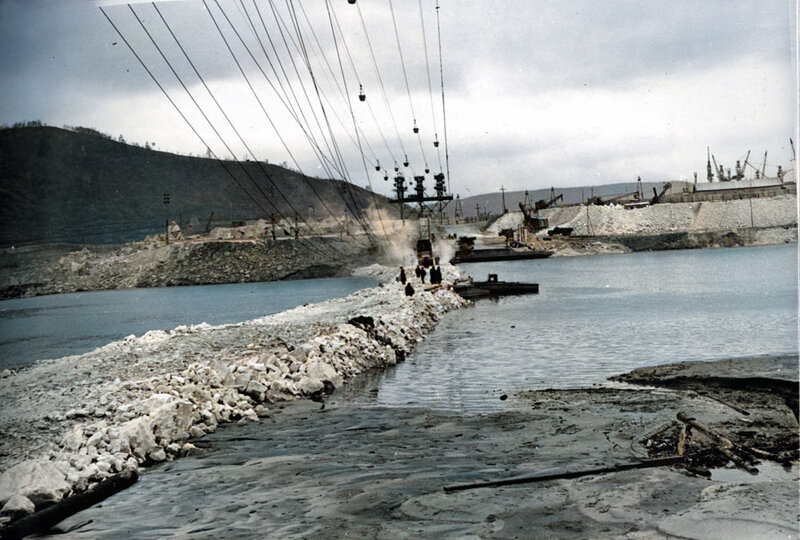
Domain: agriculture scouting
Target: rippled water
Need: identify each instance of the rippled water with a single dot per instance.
(596, 317)
(59, 325)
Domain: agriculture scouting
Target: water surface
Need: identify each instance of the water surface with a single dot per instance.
(596, 317)
(64, 324)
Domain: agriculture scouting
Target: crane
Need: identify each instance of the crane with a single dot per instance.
(657, 196)
(720, 170)
(542, 203)
(740, 168)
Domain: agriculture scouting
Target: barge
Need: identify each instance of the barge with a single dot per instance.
(471, 289)
(487, 255)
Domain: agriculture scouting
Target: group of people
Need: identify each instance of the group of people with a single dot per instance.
(421, 273)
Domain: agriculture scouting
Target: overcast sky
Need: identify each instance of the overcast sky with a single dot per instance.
(538, 93)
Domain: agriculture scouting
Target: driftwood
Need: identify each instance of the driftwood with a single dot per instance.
(682, 440)
(727, 404)
(725, 445)
(43, 520)
(538, 477)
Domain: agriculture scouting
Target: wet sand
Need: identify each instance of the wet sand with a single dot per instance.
(360, 472)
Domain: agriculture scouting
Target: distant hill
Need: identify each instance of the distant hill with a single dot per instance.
(493, 202)
(59, 185)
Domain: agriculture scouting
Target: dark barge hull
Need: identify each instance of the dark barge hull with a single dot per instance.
(483, 289)
(499, 255)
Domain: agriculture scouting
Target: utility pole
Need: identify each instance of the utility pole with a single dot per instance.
(503, 195)
(165, 199)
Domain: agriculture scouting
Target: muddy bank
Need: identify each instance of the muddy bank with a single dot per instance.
(33, 271)
(344, 472)
(76, 421)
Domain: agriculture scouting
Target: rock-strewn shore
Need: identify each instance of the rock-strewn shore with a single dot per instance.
(70, 423)
(152, 263)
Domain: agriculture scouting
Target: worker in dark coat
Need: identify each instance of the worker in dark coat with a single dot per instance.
(409, 289)
(422, 273)
(402, 278)
(436, 275)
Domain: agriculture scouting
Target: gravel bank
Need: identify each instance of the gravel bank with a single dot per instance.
(72, 422)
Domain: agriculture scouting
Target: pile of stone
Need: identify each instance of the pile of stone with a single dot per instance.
(197, 377)
(676, 217)
(613, 219)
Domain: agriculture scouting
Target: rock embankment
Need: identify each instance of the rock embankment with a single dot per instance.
(152, 263)
(593, 220)
(676, 217)
(616, 229)
(70, 423)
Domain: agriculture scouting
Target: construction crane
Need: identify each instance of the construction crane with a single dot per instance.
(720, 170)
(532, 222)
(740, 169)
(541, 204)
(597, 200)
(657, 196)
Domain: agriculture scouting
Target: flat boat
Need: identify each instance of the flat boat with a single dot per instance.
(492, 287)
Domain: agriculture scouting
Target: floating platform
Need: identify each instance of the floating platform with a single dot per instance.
(493, 288)
(487, 255)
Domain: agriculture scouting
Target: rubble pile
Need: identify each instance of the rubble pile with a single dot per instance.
(144, 399)
(675, 217)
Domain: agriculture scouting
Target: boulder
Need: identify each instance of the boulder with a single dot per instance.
(321, 372)
(256, 390)
(39, 481)
(137, 437)
(171, 417)
(17, 506)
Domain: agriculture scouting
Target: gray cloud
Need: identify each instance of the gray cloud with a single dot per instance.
(538, 94)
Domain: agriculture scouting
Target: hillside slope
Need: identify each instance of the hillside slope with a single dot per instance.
(58, 185)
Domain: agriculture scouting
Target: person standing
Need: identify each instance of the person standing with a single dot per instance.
(402, 277)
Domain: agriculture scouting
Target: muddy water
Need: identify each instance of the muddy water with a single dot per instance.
(596, 317)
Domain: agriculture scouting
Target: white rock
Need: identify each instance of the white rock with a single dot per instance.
(171, 418)
(256, 390)
(137, 436)
(18, 506)
(38, 480)
(321, 371)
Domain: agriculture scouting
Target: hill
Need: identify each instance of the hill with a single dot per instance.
(59, 185)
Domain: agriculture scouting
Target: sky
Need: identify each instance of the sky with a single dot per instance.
(536, 93)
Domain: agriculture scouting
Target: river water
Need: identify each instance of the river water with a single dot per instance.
(64, 324)
(599, 316)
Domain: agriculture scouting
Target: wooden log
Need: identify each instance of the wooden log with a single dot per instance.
(682, 440)
(725, 445)
(538, 477)
(705, 429)
(43, 520)
(731, 405)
